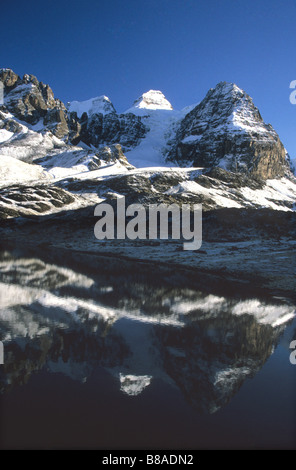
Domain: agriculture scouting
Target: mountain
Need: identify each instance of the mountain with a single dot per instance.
(153, 99)
(223, 152)
(31, 101)
(227, 130)
(93, 122)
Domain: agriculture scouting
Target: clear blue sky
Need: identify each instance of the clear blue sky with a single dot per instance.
(122, 48)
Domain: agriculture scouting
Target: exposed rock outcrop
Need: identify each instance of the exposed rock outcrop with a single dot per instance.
(31, 101)
(227, 130)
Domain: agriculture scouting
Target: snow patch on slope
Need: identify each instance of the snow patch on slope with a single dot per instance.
(5, 135)
(15, 171)
(275, 194)
(152, 149)
(220, 197)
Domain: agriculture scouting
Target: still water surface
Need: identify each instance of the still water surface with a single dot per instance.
(101, 355)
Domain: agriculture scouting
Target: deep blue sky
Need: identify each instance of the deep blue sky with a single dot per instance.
(122, 48)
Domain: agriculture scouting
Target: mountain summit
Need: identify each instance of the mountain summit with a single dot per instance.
(98, 105)
(153, 99)
(227, 130)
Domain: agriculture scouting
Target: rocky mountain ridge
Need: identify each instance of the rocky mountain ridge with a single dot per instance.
(153, 99)
(225, 129)
(219, 152)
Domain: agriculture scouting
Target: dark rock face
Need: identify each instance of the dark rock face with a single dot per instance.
(124, 129)
(9, 124)
(30, 100)
(227, 130)
(109, 154)
(22, 200)
(232, 180)
(9, 79)
(56, 121)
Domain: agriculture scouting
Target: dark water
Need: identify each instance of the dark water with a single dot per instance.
(109, 355)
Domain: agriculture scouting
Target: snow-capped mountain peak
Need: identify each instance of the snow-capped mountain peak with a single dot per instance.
(227, 88)
(98, 105)
(152, 99)
(227, 130)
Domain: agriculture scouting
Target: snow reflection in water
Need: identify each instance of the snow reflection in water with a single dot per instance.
(58, 319)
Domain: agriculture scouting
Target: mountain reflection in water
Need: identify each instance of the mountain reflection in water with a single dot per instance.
(58, 318)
